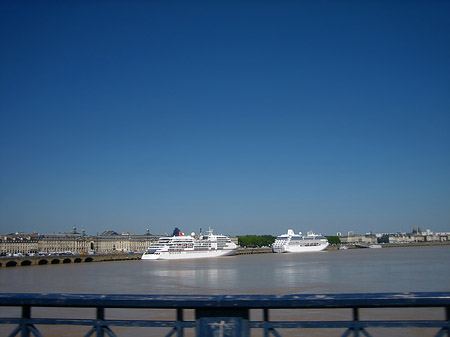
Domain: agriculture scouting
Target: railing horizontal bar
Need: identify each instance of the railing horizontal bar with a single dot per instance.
(49, 321)
(348, 324)
(252, 324)
(140, 323)
(229, 301)
(89, 322)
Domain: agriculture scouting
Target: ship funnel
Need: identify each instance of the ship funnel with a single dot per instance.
(177, 232)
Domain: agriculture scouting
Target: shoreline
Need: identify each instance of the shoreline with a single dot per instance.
(24, 261)
(392, 245)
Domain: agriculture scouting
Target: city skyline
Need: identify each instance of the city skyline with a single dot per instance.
(416, 229)
(251, 118)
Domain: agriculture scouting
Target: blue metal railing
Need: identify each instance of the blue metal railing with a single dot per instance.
(225, 315)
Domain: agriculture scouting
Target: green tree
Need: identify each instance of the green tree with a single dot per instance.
(333, 240)
(255, 240)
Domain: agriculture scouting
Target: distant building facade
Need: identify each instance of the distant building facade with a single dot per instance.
(356, 239)
(12, 245)
(107, 242)
(427, 236)
(416, 236)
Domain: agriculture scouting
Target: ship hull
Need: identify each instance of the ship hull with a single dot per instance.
(290, 249)
(187, 255)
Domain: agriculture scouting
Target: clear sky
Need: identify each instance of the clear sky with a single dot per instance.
(251, 117)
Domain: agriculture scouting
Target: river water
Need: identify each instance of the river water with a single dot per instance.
(406, 269)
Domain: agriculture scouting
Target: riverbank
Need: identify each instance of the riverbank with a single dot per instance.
(415, 244)
(391, 245)
(54, 260)
(67, 259)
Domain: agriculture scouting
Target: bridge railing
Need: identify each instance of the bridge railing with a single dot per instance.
(226, 315)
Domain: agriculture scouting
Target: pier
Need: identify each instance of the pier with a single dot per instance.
(228, 315)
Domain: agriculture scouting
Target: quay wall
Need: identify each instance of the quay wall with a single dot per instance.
(64, 259)
(415, 244)
(246, 251)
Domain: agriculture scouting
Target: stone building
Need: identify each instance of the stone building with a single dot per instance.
(356, 239)
(113, 242)
(108, 242)
(416, 236)
(61, 244)
(18, 245)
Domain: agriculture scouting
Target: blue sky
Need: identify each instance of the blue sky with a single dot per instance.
(249, 117)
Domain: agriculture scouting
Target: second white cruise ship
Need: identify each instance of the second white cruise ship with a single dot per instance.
(298, 243)
(179, 246)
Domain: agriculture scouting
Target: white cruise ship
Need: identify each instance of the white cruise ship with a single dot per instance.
(298, 243)
(180, 246)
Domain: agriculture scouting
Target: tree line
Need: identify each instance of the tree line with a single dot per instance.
(256, 240)
(333, 240)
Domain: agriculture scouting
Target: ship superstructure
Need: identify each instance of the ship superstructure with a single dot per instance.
(179, 246)
(298, 243)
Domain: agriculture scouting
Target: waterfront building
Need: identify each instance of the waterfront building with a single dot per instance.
(74, 242)
(356, 239)
(18, 245)
(54, 243)
(416, 236)
(113, 242)
(401, 238)
(444, 237)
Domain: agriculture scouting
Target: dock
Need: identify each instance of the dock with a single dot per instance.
(246, 251)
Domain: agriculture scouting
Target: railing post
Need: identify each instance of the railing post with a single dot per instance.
(25, 327)
(26, 315)
(446, 330)
(266, 321)
(100, 319)
(222, 322)
(100, 328)
(447, 317)
(356, 319)
(355, 329)
(180, 330)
